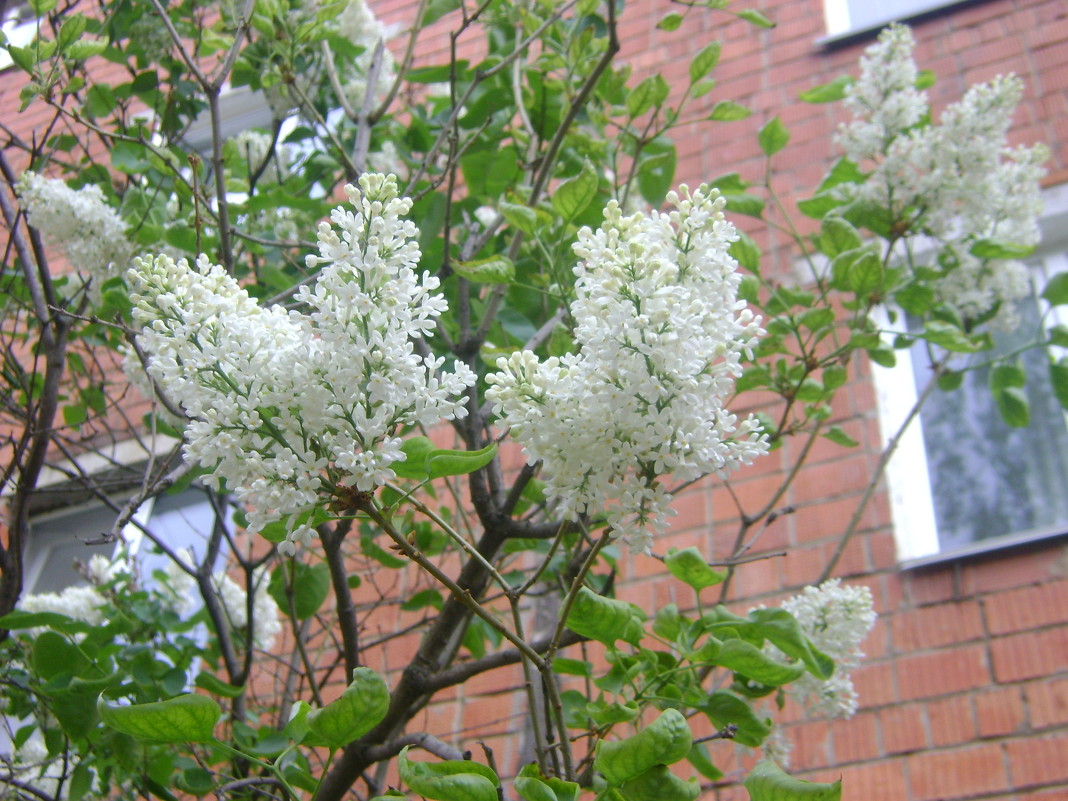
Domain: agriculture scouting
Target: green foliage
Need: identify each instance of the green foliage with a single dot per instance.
(186, 718)
(451, 780)
(767, 782)
(359, 709)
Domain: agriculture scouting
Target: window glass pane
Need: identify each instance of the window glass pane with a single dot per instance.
(58, 542)
(988, 479)
(866, 14)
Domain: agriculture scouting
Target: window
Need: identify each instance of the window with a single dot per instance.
(962, 481)
(61, 539)
(846, 17)
(19, 26)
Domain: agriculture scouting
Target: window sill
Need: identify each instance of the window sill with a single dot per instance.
(988, 547)
(833, 41)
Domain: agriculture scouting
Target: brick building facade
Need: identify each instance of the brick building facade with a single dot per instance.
(964, 692)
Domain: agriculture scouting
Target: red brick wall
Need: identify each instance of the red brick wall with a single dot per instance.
(965, 690)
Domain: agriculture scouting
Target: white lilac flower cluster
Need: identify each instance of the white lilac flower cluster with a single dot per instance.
(660, 333)
(78, 603)
(956, 182)
(284, 407)
(179, 589)
(80, 224)
(836, 618)
(266, 625)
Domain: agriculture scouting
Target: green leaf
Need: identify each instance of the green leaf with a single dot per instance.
(767, 782)
(81, 782)
(756, 17)
(951, 380)
(782, 630)
(773, 137)
(497, 269)
(452, 780)
(23, 58)
(648, 94)
(605, 619)
(828, 92)
(213, 684)
(1013, 405)
(185, 719)
(417, 449)
(819, 205)
(729, 111)
(698, 757)
(916, 299)
(725, 708)
(1058, 335)
(656, 171)
(882, 356)
(866, 274)
(660, 784)
(129, 157)
(689, 567)
(441, 463)
(576, 193)
(310, 587)
(839, 437)
(744, 203)
(52, 654)
(948, 336)
(423, 599)
(670, 22)
(1004, 376)
(522, 217)
(844, 171)
(663, 742)
(1058, 376)
(925, 79)
(992, 249)
(435, 10)
(19, 619)
(359, 709)
(746, 252)
(531, 785)
(746, 659)
(837, 236)
(705, 61)
(1056, 291)
(71, 30)
(41, 7)
(835, 375)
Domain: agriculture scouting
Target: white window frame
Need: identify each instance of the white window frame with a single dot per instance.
(18, 32)
(839, 24)
(907, 476)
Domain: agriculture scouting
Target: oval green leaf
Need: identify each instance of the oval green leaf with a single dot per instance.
(457, 463)
(689, 567)
(665, 741)
(452, 780)
(576, 193)
(605, 619)
(358, 710)
(185, 719)
(767, 782)
(660, 784)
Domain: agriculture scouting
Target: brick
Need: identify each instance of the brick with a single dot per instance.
(813, 745)
(1027, 607)
(875, 684)
(1038, 760)
(903, 729)
(957, 773)
(938, 625)
(1047, 702)
(933, 585)
(951, 721)
(856, 739)
(1029, 655)
(942, 672)
(999, 712)
(873, 780)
